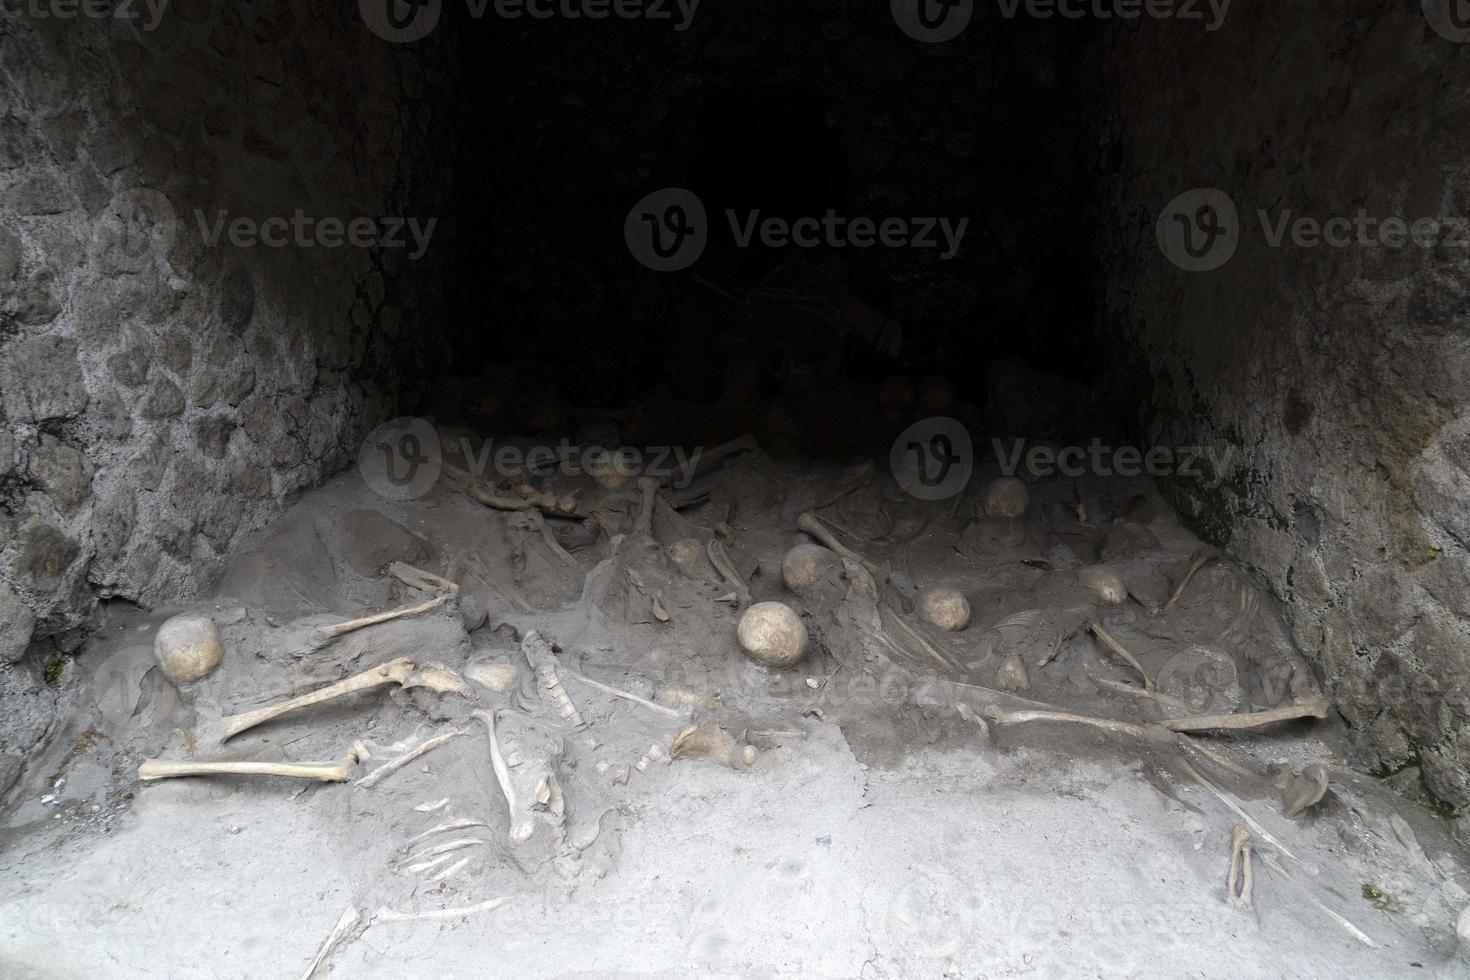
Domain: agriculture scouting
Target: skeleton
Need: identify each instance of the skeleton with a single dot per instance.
(1238, 880)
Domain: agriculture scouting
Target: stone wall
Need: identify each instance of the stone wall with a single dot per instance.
(1340, 375)
(162, 394)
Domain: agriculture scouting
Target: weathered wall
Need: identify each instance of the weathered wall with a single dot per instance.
(1341, 375)
(160, 395)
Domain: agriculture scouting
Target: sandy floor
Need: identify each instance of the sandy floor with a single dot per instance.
(879, 832)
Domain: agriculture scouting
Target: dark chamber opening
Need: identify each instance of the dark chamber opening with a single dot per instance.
(566, 127)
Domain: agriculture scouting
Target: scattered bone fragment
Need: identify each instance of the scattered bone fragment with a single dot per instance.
(389, 768)
(710, 741)
(528, 778)
(327, 772)
(1354, 931)
(392, 915)
(999, 716)
(808, 523)
(440, 679)
(1013, 676)
(546, 667)
(1119, 687)
(968, 713)
(424, 867)
(712, 459)
(1123, 654)
(393, 672)
(1302, 790)
(448, 847)
(434, 807)
(807, 566)
(624, 695)
(688, 555)
(543, 503)
(413, 577)
(918, 639)
(1202, 557)
(346, 922)
(1238, 880)
(772, 634)
(1104, 584)
(945, 608)
(1312, 706)
(1006, 497)
(502, 776)
(647, 499)
(188, 648)
(459, 823)
(492, 676)
(655, 752)
(739, 591)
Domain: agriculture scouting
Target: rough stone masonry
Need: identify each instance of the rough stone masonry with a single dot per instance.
(1340, 374)
(161, 394)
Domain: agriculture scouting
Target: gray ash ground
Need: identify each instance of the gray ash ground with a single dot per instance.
(880, 832)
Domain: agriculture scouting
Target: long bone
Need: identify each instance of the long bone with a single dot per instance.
(327, 772)
(392, 672)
